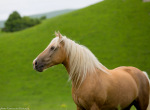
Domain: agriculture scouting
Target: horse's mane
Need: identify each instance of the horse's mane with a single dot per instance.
(81, 61)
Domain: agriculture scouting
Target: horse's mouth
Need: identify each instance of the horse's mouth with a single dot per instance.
(39, 68)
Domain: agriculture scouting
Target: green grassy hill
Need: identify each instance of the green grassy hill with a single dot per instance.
(117, 32)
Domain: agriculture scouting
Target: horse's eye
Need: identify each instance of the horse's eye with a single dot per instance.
(52, 48)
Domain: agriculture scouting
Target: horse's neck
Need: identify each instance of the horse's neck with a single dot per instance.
(66, 64)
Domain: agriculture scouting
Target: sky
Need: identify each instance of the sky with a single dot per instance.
(30, 7)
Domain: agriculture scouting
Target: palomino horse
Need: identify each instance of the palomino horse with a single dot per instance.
(94, 87)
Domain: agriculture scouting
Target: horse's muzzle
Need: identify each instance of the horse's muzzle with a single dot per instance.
(38, 66)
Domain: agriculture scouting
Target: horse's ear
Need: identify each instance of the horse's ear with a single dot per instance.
(56, 34)
(59, 35)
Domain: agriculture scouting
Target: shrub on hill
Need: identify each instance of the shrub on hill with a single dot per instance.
(16, 23)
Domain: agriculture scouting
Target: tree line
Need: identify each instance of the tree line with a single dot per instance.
(16, 23)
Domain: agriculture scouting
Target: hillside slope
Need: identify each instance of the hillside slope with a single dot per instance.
(117, 32)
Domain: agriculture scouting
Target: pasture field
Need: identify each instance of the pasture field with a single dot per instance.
(116, 31)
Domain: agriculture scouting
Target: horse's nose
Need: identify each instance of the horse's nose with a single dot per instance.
(37, 65)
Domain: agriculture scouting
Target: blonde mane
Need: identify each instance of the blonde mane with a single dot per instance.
(81, 61)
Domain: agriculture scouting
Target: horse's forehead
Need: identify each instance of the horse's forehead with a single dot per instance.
(54, 42)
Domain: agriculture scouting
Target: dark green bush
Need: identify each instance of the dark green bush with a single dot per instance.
(16, 23)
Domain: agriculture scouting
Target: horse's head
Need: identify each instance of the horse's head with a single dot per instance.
(52, 55)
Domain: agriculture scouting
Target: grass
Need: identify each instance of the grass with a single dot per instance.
(117, 32)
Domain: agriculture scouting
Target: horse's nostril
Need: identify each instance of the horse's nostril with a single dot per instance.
(35, 63)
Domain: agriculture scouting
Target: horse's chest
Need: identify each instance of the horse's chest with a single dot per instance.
(81, 100)
(86, 98)
(76, 98)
